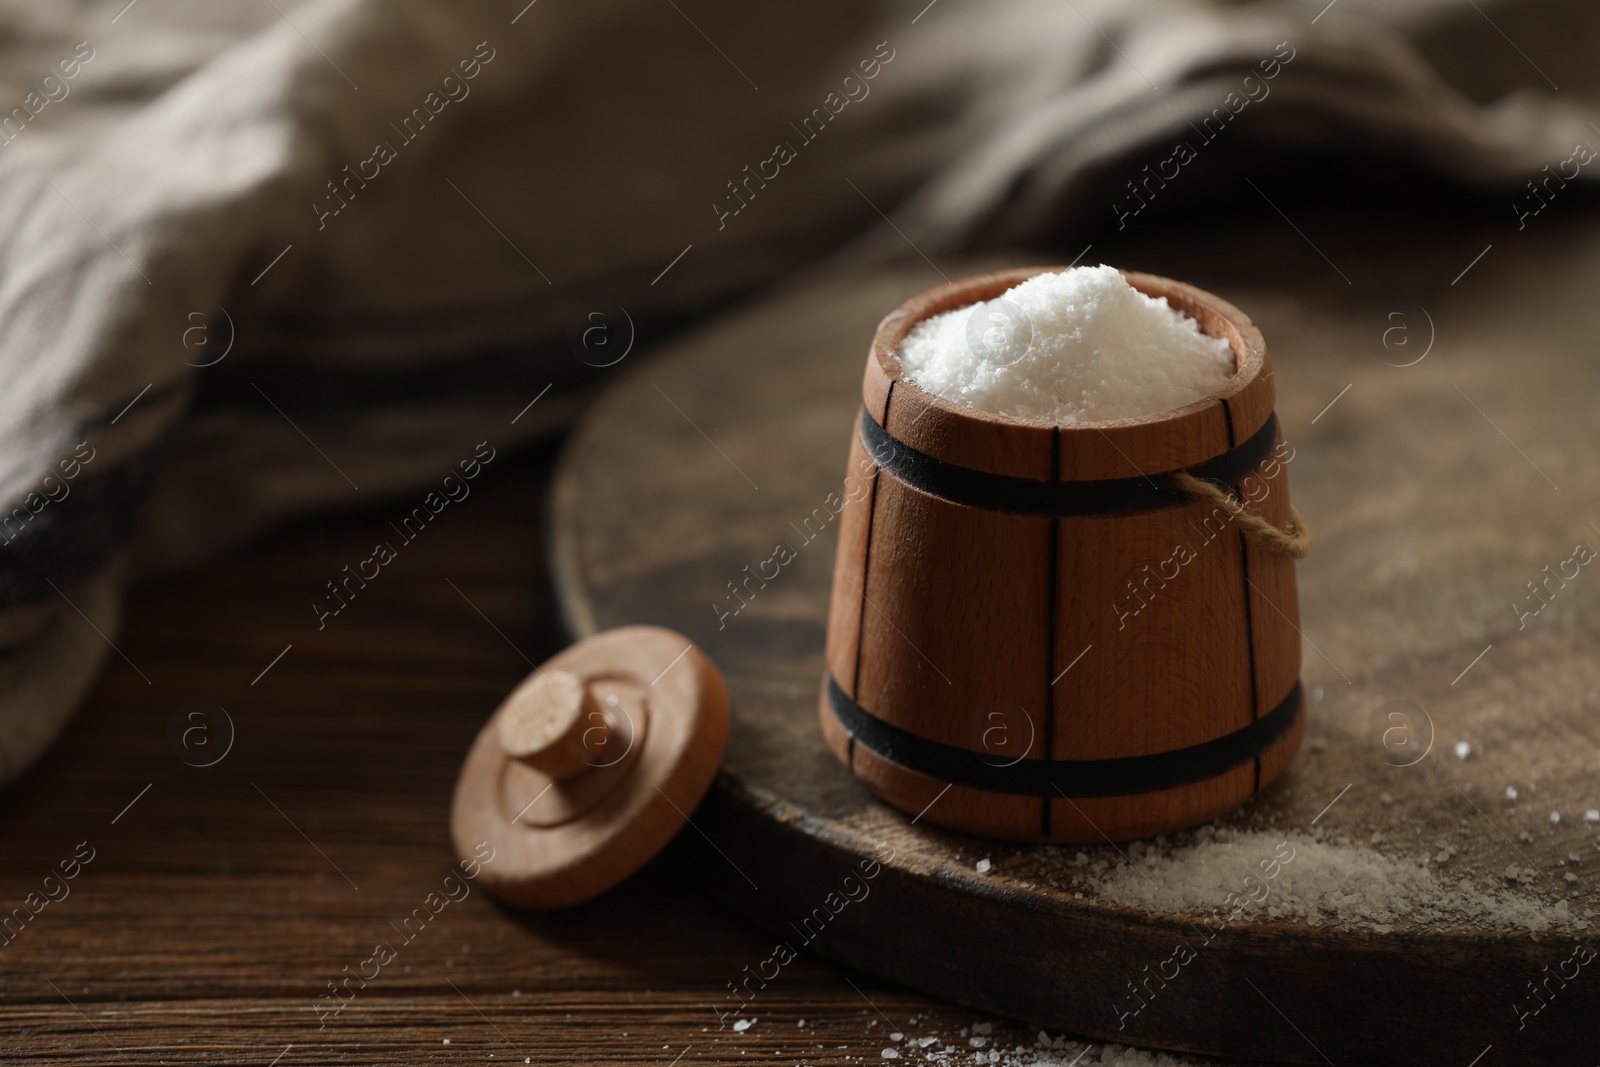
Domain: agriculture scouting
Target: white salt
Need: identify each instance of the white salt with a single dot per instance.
(1081, 345)
(1463, 750)
(1325, 884)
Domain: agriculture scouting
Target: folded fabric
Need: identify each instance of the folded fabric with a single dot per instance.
(271, 259)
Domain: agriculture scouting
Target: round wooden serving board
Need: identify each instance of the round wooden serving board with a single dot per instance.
(1432, 492)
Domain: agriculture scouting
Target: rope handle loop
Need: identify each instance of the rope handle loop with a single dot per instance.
(1294, 542)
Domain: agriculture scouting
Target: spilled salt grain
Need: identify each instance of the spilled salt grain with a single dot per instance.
(983, 866)
(1324, 884)
(1511, 792)
(1463, 750)
(1064, 1052)
(981, 1046)
(1074, 346)
(744, 1024)
(1592, 815)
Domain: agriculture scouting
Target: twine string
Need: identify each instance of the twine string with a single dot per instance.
(1294, 542)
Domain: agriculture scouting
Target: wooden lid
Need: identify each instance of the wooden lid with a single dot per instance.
(1090, 451)
(590, 766)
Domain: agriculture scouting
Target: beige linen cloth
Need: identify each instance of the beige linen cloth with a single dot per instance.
(262, 258)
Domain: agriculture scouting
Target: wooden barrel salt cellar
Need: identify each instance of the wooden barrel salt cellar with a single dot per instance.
(1036, 634)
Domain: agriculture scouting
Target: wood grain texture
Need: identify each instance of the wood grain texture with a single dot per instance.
(846, 604)
(1428, 523)
(206, 927)
(1272, 586)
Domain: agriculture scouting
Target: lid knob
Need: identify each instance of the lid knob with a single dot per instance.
(555, 725)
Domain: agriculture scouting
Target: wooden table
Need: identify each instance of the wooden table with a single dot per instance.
(220, 902)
